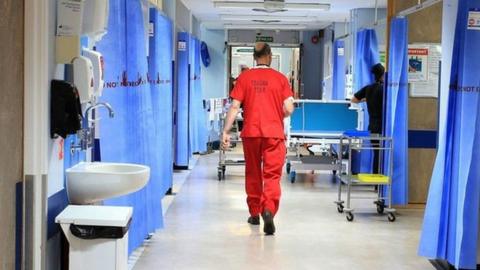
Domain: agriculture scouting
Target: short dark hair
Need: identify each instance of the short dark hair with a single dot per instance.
(378, 70)
(261, 49)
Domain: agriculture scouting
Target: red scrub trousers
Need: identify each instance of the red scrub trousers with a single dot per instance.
(264, 160)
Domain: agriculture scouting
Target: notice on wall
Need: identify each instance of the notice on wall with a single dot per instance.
(69, 18)
(349, 85)
(417, 64)
(473, 20)
(424, 69)
(151, 29)
(182, 46)
(218, 106)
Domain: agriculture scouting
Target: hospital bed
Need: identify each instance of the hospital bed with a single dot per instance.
(319, 124)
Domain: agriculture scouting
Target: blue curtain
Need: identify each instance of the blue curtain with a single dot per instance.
(160, 78)
(130, 136)
(366, 55)
(193, 110)
(197, 126)
(450, 228)
(182, 141)
(339, 70)
(201, 117)
(396, 105)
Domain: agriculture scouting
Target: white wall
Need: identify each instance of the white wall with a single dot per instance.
(214, 77)
(342, 29)
(196, 27)
(55, 146)
(183, 16)
(327, 60)
(55, 163)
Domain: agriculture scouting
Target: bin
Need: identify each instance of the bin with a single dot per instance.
(98, 236)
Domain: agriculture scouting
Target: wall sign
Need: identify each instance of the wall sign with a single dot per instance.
(473, 19)
(244, 50)
(264, 39)
(182, 46)
(417, 64)
(69, 18)
(151, 29)
(424, 69)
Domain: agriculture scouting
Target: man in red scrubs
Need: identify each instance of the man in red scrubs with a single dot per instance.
(267, 99)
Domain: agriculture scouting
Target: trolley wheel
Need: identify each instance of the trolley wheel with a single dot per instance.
(292, 177)
(288, 167)
(350, 216)
(340, 208)
(380, 209)
(391, 217)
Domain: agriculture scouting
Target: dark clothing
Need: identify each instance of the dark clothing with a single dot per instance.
(373, 94)
(65, 109)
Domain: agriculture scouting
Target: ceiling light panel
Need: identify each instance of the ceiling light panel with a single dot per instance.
(266, 26)
(229, 17)
(261, 5)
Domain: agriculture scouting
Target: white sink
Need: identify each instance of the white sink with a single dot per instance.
(91, 182)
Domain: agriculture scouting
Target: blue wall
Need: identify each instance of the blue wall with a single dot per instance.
(214, 76)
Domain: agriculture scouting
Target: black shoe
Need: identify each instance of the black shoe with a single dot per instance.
(268, 226)
(254, 220)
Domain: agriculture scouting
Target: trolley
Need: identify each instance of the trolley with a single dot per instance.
(223, 160)
(367, 143)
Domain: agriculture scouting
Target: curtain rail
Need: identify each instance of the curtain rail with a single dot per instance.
(418, 7)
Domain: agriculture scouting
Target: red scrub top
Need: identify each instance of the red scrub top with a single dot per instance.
(262, 91)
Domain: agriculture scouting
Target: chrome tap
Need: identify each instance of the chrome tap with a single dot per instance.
(87, 134)
(86, 119)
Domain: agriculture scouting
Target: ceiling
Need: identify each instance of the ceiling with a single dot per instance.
(245, 18)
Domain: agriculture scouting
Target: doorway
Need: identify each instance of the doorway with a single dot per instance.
(286, 60)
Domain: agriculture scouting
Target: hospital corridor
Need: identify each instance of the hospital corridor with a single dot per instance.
(207, 222)
(239, 134)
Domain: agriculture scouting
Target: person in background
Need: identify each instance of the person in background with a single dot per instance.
(373, 95)
(243, 68)
(267, 99)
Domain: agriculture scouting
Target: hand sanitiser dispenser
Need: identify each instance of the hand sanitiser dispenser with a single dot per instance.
(83, 78)
(97, 61)
(95, 18)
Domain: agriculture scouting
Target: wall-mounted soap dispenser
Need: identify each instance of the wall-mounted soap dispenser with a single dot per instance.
(83, 78)
(97, 61)
(95, 18)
